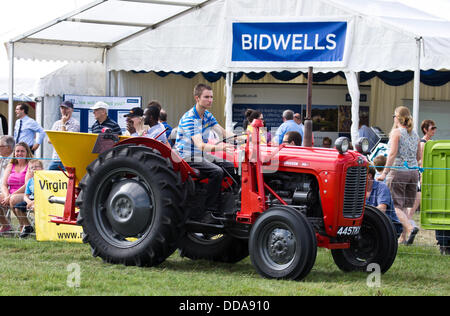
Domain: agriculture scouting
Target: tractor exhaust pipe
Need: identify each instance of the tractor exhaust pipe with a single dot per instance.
(57, 200)
(307, 135)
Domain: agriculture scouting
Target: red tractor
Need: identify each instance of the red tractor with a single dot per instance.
(137, 199)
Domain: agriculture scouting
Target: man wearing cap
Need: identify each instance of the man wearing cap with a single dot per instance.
(66, 124)
(135, 122)
(103, 122)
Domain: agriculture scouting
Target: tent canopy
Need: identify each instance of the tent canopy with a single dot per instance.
(152, 35)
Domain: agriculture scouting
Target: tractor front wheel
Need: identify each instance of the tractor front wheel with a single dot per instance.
(283, 244)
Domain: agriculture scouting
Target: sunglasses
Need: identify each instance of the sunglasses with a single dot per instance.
(433, 128)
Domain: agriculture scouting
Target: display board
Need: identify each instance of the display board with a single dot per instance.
(118, 107)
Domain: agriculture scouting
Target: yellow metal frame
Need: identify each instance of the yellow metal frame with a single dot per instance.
(75, 149)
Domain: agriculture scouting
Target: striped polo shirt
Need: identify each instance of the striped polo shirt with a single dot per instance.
(190, 125)
(108, 123)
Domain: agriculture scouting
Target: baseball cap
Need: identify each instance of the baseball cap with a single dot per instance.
(67, 104)
(100, 105)
(135, 112)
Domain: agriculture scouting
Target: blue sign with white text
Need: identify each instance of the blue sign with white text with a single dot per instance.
(289, 41)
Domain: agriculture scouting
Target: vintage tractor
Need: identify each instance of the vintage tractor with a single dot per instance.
(137, 200)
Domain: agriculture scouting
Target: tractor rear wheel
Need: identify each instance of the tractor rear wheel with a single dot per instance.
(376, 243)
(131, 206)
(214, 247)
(283, 244)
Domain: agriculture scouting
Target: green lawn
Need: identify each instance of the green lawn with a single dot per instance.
(41, 268)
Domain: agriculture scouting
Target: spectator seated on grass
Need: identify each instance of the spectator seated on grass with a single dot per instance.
(379, 195)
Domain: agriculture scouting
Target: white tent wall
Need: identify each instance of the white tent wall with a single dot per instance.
(76, 78)
(203, 38)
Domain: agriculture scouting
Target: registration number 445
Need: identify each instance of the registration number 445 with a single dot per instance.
(348, 230)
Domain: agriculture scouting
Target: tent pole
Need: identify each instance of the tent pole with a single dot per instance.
(353, 88)
(229, 102)
(107, 74)
(11, 89)
(307, 130)
(416, 93)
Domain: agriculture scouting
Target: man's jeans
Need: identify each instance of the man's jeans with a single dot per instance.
(55, 166)
(215, 174)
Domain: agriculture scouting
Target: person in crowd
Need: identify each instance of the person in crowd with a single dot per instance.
(256, 115)
(28, 199)
(156, 130)
(298, 120)
(288, 125)
(363, 130)
(163, 120)
(192, 145)
(4, 124)
(379, 196)
(135, 122)
(66, 124)
(428, 128)
(25, 128)
(102, 120)
(155, 103)
(326, 142)
(247, 113)
(7, 144)
(403, 147)
(13, 186)
(292, 138)
(379, 162)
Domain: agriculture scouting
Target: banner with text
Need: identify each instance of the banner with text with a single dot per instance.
(118, 107)
(309, 43)
(46, 184)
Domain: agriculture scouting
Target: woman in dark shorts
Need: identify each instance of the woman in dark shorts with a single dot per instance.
(403, 146)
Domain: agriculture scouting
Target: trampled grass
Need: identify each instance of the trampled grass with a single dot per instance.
(28, 267)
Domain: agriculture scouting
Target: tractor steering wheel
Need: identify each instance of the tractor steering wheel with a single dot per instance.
(237, 141)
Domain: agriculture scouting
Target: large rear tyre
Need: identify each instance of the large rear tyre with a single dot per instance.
(131, 206)
(214, 247)
(283, 244)
(376, 243)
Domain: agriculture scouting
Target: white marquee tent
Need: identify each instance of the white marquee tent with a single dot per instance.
(195, 36)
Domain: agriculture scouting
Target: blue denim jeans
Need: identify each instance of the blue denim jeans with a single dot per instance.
(55, 166)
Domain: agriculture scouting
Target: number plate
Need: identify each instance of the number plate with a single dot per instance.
(348, 230)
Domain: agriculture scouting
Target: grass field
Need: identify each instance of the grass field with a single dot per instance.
(47, 268)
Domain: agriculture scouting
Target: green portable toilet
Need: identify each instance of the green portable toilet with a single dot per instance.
(435, 203)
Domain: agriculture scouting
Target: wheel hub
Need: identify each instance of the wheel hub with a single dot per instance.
(281, 245)
(128, 208)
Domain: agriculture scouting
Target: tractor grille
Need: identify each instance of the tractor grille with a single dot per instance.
(355, 189)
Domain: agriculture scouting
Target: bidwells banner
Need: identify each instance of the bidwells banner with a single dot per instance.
(289, 42)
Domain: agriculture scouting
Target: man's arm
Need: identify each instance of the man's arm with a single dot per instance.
(222, 132)
(205, 147)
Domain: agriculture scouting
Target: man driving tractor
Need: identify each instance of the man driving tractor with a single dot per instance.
(192, 145)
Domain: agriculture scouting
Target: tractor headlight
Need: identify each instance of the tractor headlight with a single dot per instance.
(342, 144)
(362, 145)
